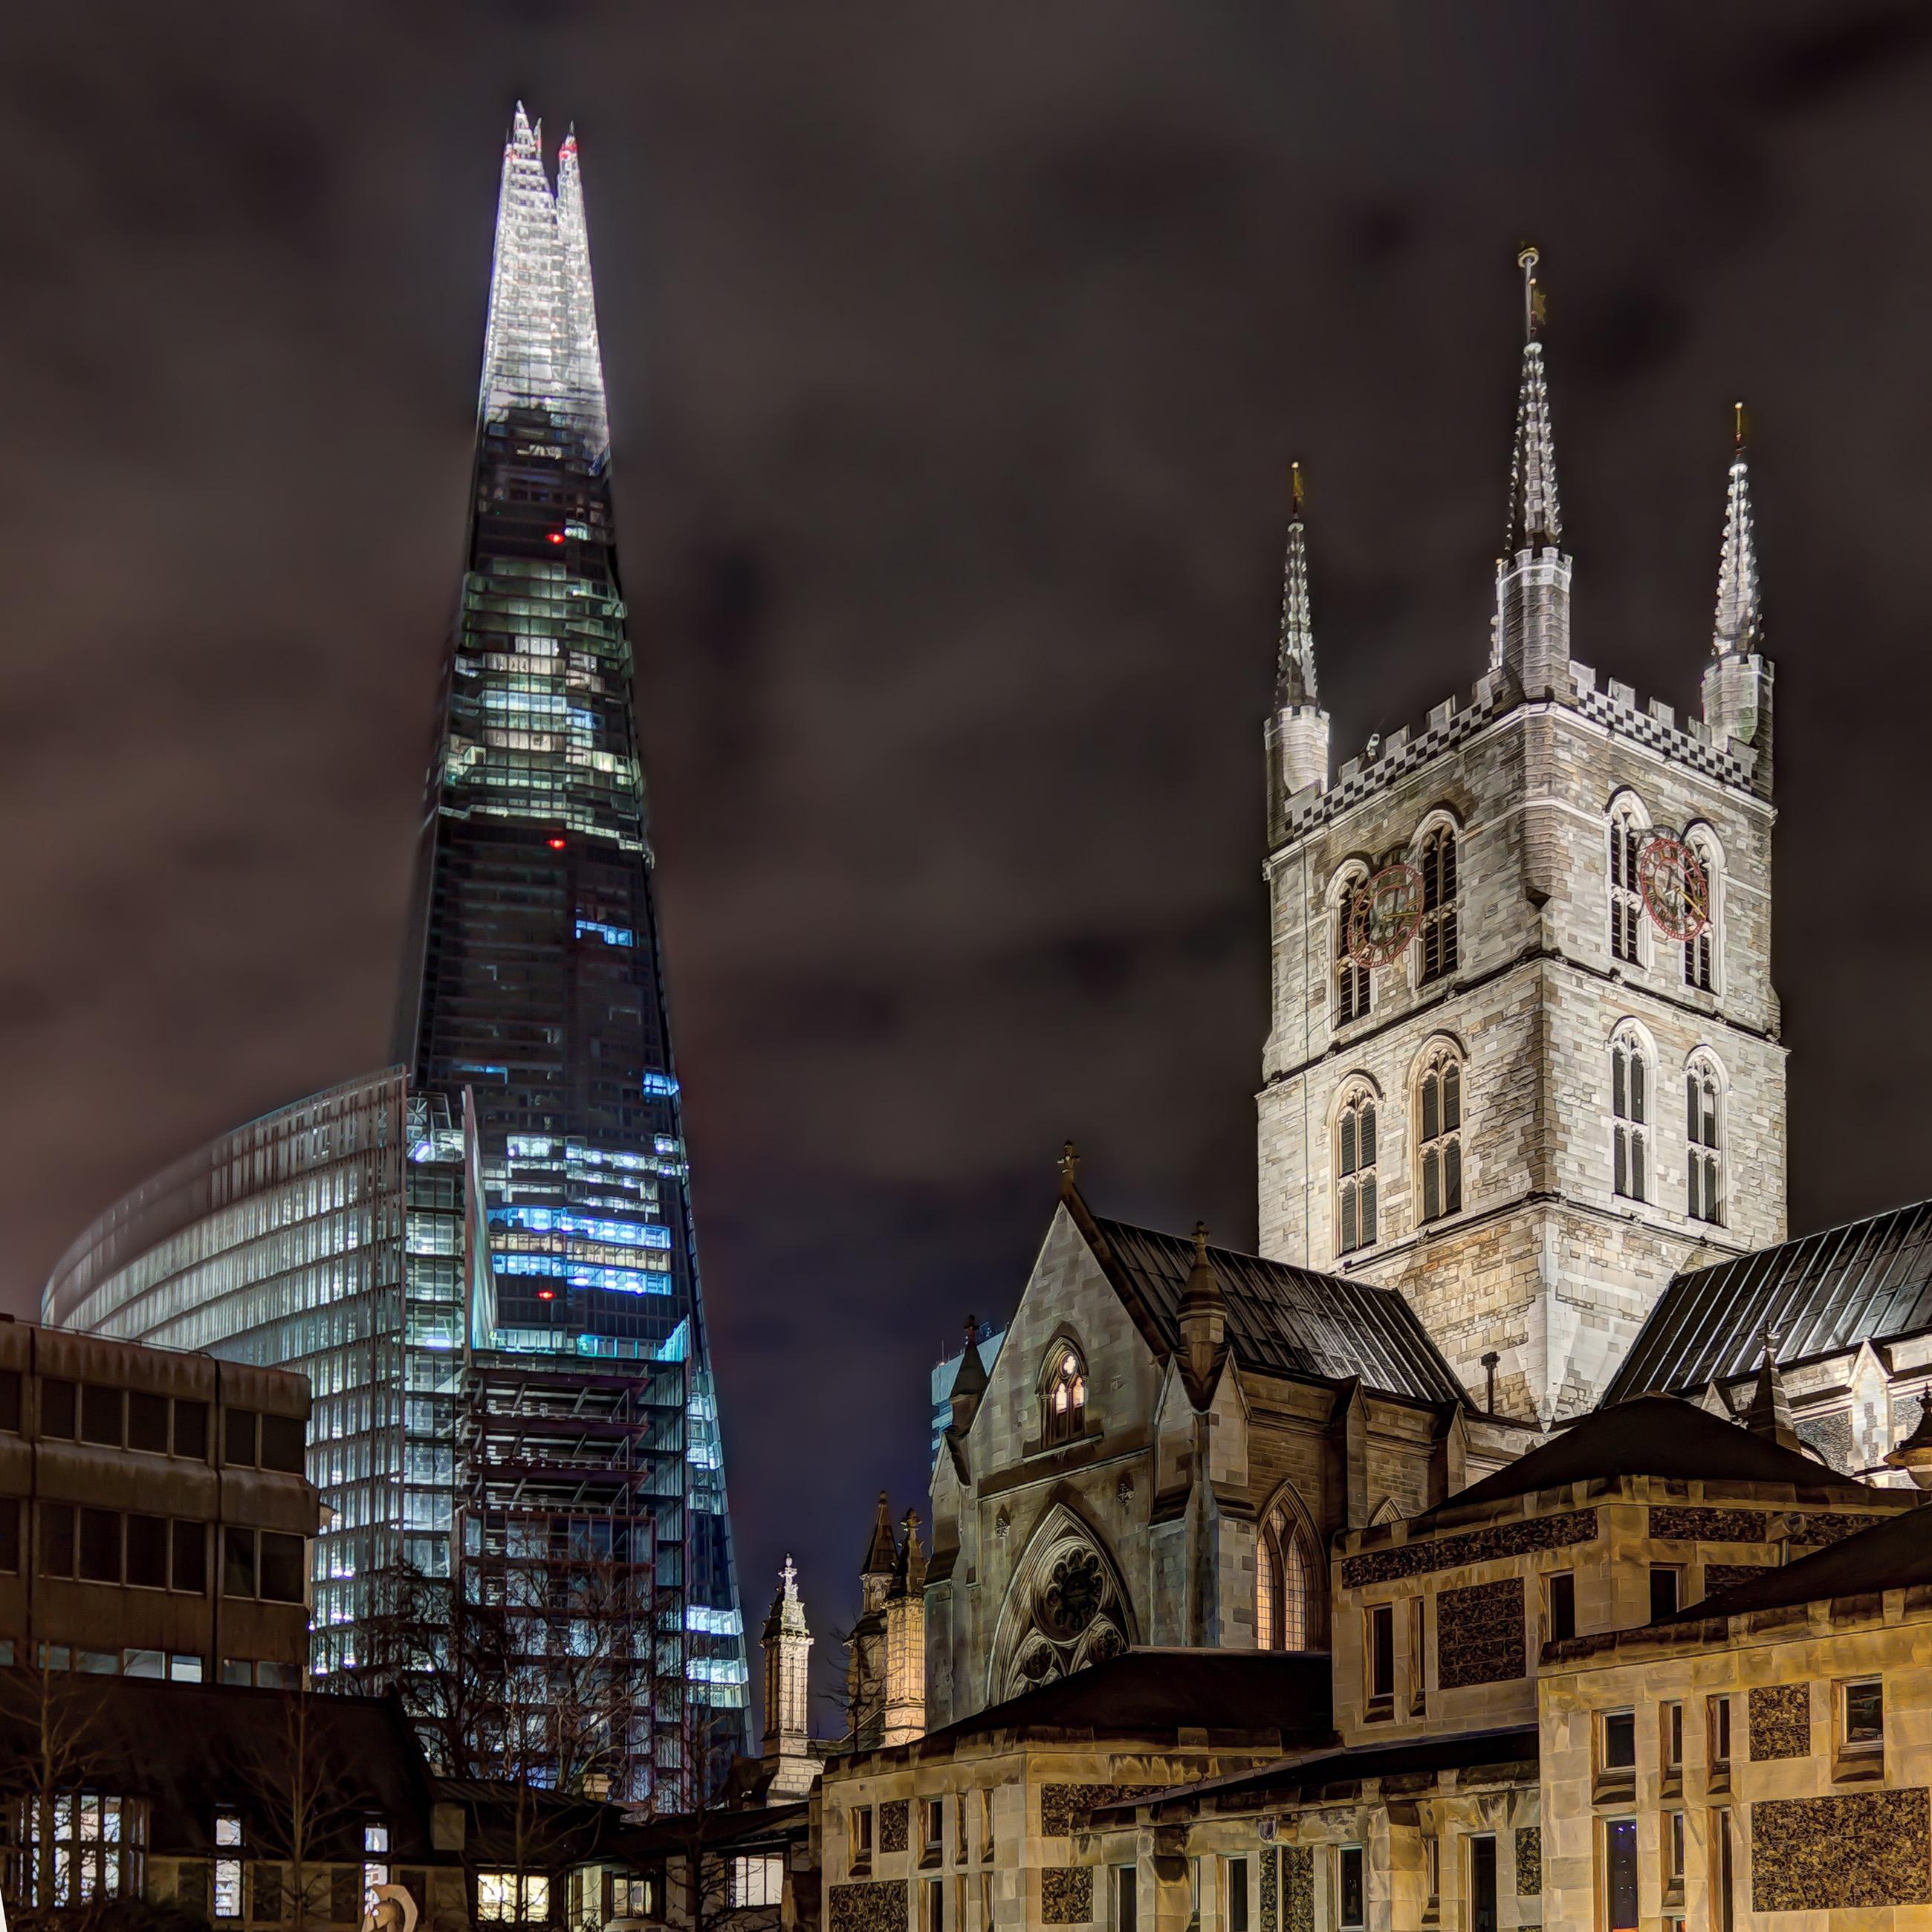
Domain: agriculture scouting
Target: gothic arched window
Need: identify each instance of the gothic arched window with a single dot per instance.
(1700, 950)
(1287, 1584)
(1438, 1134)
(1355, 1172)
(1629, 1107)
(1704, 1107)
(1628, 831)
(1062, 1400)
(1436, 940)
(1354, 988)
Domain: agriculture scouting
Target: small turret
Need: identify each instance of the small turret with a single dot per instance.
(1737, 683)
(905, 1641)
(969, 1383)
(1530, 637)
(1204, 1320)
(881, 1563)
(1298, 733)
(1769, 1414)
(788, 1646)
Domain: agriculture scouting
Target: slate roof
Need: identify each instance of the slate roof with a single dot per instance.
(1869, 1280)
(1895, 1554)
(1661, 1436)
(1149, 1689)
(1459, 1751)
(1285, 1320)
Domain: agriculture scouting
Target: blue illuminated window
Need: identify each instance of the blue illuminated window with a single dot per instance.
(611, 935)
(661, 1084)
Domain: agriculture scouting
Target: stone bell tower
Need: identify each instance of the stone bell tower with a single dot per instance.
(1524, 1061)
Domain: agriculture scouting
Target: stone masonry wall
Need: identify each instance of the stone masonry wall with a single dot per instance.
(1545, 1263)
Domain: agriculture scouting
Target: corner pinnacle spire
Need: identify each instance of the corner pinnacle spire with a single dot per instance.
(1295, 663)
(1535, 519)
(1739, 619)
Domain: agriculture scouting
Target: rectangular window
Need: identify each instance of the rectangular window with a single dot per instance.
(758, 1878)
(191, 1429)
(1717, 1739)
(9, 1536)
(56, 1539)
(1664, 1580)
(1482, 1884)
(59, 1407)
(1127, 1900)
(1559, 1606)
(238, 1561)
(1670, 1745)
(1618, 1744)
(281, 1578)
(1381, 1645)
(283, 1443)
(148, 1552)
(1350, 1892)
(512, 1898)
(10, 1402)
(1432, 1876)
(227, 1870)
(1418, 1654)
(1860, 1727)
(635, 1897)
(932, 1916)
(100, 1546)
(1723, 1874)
(1235, 1891)
(932, 1824)
(188, 1568)
(861, 1829)
(148, 1422)
(1673, 1857)
(1620, 1875)
(100, 1415)
(238, 1441)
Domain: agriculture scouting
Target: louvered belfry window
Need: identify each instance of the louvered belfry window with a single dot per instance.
(1438, 1135)
(1703, 1132)
(1629, 1107)
(1626, 895)
(1353, 982)
(1355, 1174)
(1437, 936)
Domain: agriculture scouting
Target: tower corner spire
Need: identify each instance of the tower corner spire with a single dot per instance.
(1298, 731)
(1737, 682)
(1530, 634)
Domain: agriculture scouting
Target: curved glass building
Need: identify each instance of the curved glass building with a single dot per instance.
(484, 1257)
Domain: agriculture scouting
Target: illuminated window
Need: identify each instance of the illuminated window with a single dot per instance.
(1629, 1107)
(1355, 1173)
(1063, 1401)
(227, 1870)
(512, 1898)
(98, 1845)
(1438, 1134)
(758, 1879)
(1287, 1589)
(1437, 940)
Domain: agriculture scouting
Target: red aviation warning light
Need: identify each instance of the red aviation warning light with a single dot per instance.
(557, 536)
(546, 1294)
(555, 844)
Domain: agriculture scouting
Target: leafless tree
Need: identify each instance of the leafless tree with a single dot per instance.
(54, 1719)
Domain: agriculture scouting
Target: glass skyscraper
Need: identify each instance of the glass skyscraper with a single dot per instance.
(485, 1256)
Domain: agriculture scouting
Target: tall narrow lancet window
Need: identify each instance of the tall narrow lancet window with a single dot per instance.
(1437, 938)
(1353, 990)
(1355, 1172)
(1438, 1134)
(1064, 1399)
(1627, 833)
(1287, 1584)
(1703, 1100)
(1700, 948)
(1629, 1108)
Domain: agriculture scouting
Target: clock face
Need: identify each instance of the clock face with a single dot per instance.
(1383, 915)
(1676, 893)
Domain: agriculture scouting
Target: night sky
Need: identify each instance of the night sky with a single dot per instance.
(957, 357)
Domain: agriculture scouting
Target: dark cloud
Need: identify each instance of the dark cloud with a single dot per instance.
(957, 361)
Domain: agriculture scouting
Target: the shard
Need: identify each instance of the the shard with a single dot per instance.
(534, 994)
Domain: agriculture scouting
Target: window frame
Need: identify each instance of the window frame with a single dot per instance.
(1064, 1373)
(1551, 1580)
(1443, 1080)
(1379, 1661)
(1350, 985)
(1619, 1826)
(1704, 954)
(1861, 1757)
(1437, 945)
(1346, 1855)
(1291, 1595)
(768, 1864)
(1629, 826)
(1633, 1131)
(1706, 1188)
(1357, 1226)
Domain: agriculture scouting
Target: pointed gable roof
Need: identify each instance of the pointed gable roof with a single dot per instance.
(1282, 1320)
(1660, 1435)
(1867, 1281)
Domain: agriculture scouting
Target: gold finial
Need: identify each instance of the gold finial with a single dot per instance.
(1738, 426)
(1526, 260)
(1069, 1167)
(1200, 1241)
(1294, 496)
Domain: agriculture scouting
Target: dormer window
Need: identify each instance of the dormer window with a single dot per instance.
(1063, 1401)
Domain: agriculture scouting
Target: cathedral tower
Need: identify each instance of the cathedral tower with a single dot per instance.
(1524, 1061)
